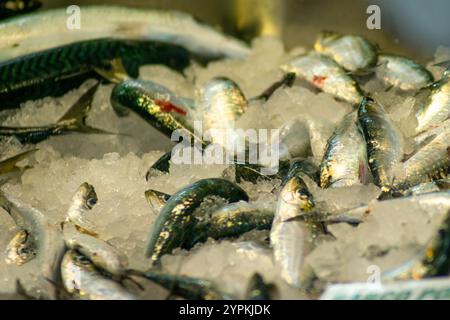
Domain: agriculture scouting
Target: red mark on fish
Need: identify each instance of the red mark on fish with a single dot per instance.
(167, 106)
(319, 81)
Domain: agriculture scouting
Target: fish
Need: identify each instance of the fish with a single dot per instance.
(134, 96)
(426, 162)
(325, 74)
(431, 261)
(353, 53)
(74, 120)
(18, 250)
(83, 200)
(44, 237)
(384, 142)
(185, 287)
(345, 160)
(52, 28)
(55, 71)
(257, 289)
(175, 220)
(429, 187)
(402, 73)
(10, 8)
(436, 108)
(221, 102)
(9, 166)
(156, 199)
(230, 221)
(81, 278)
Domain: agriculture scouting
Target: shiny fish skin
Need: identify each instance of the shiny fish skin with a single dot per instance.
(402, 73)
(222, 102)
(48, 29)
(352, 52)
(55, 71)
(175, 219)
(436, 108)
(133, 95)
(156, 199)
(384, 142)
(326, 75)
(83, 280)
(425, 162)
(345, 159)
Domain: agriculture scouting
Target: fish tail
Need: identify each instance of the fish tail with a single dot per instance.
(10, 164)
(74, 120)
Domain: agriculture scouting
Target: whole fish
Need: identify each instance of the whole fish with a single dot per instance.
(186, 287)
(52, 28)
(175, 220)
(432, 261)
(221, 102)
(132, 95)
(55, 71)
(425, 162)
(81, 278)
(257, 289)
(9, 8)
(352, 52)
(45, 238)
(345, 159)
(384, 142)
(325, 74)
(402, 73)
(436, 108)
(74, 120)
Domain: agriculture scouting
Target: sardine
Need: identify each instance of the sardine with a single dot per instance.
(325, 74)
(384, 142)
(345, 159)
(354, 53)
(402, 73)
(436, 108)
(81, 278)
(52, 28)
(156, 199)
(84, 200)
(20, 250)
(44, 237)
(175, 220)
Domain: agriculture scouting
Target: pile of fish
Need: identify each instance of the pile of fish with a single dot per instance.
(397, 159)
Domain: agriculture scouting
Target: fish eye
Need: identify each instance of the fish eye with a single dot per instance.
(166, 197)
(91, 202)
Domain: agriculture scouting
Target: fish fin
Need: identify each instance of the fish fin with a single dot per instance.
(10, 164)
(287, 80)
(75, 118)
(113, 71)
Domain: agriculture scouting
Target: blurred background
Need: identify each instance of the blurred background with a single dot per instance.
(413, 27)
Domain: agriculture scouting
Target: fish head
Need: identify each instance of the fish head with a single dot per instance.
(87, 195)
(156, 199)
(295, 193)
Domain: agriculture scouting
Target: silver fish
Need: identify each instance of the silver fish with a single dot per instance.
(19, 250)
(345, 159)
(384, 142)
(52, 28)
(45, 238)
(81, 278)
(427, 161)
(325, 74)
(351, 52)
(222, 102)
(402, 73)
(83, 200)
(436, 108)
